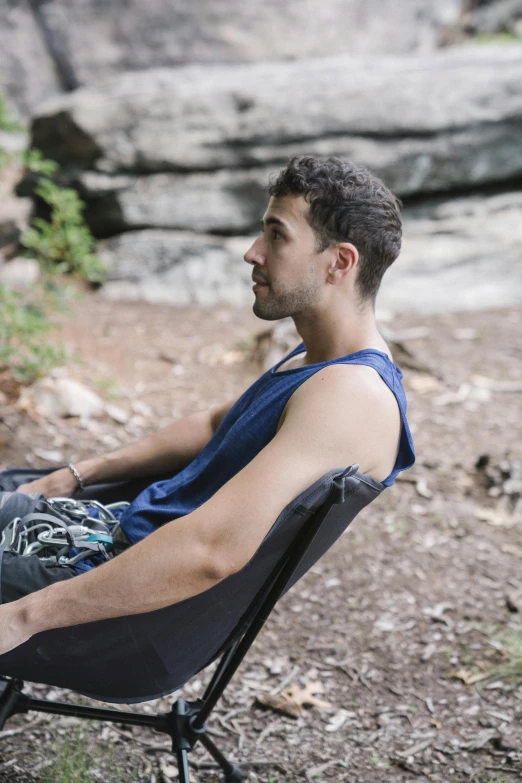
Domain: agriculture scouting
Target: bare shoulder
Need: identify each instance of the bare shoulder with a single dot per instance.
(349, 412)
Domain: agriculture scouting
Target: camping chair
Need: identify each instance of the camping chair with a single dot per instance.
(141, 657)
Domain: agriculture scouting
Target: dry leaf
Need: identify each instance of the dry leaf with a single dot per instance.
(468, 677)
(305, 696)
(279, 703)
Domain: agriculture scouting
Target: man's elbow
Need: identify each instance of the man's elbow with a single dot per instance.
(219, 562)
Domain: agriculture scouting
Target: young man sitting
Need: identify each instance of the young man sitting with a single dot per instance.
(330, 231)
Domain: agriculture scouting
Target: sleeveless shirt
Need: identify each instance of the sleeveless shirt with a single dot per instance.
(245, 430)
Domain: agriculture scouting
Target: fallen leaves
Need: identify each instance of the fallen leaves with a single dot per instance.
(293, 700)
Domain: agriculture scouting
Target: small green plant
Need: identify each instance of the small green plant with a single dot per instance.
(505, 37)
(109, 388)
(62, 245)
(7, 123)
(510, 669)
(73, 760)
(24, 326)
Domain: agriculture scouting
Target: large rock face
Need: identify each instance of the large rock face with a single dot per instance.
(460, 254)
(27, 73)
(179, 160)
(53, 43)
(439, 122)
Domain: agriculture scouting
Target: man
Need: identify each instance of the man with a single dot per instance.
(330, 231)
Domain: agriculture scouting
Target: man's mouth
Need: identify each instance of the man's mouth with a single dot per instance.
(259, 282)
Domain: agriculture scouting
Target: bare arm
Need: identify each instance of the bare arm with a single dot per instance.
(334, 420)
(165, 452)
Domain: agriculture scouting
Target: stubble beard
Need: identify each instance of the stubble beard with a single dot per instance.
(273, 307)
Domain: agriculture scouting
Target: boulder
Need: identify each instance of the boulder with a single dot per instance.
(15, 213)
(462, 254)
(59, 397)
(436, 122)
(459, 254)
(222, 202)
(20, 273)
(176, 268)
(27, 70)
(51, 45)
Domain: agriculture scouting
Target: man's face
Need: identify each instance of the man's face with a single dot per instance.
(287, 271)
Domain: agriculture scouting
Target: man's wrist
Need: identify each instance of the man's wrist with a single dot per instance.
(92, 470)
(29, 614)
(42, 610)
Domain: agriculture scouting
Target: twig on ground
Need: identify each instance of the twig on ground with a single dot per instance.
(316, 771)
(286, 680)
(505, 769)
(21, 729)
(270, 729)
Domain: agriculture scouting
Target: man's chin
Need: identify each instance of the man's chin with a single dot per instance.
(265, 312)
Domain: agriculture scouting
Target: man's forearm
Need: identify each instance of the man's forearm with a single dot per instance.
(168, 566)
(164, 452)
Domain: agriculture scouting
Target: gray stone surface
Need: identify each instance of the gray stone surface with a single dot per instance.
(222, 202)
(27, 72)
(442, 121)
(15, 213)
(93, 39)
(177, 268)
(463, 254)
(460, 254)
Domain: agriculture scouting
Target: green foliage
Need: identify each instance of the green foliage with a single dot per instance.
(73, 761)
(24, 326)
(505, 37)
(6, 121)
(61, 245)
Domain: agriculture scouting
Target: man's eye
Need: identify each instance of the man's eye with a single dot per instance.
(276, 234)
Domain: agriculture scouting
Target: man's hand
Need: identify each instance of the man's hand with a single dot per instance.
(58, 484)
(13, 627)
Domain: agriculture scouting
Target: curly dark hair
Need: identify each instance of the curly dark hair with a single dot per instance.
(347, 204)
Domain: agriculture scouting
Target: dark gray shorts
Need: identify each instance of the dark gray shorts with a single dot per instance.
(21, 575)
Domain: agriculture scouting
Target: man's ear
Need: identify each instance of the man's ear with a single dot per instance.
(343, 260)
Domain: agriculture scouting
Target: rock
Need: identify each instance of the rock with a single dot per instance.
(60, 397)
(48, 455)
(222, 201)
(115, 412)
(47, 47)
(28, 74)
(176, 268)
(20, 273)
(15, 213)
(425, 123)
(445, 262)
(495, 16)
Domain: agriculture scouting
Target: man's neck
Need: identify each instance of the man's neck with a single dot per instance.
(327, 337)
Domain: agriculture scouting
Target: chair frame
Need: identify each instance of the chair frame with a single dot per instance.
(186, 723)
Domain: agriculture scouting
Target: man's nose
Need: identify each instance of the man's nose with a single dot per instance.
(255, 254)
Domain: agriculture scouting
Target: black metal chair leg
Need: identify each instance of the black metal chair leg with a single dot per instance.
(233, 773)
(183, 768)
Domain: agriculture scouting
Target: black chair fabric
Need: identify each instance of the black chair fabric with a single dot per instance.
(141, 657)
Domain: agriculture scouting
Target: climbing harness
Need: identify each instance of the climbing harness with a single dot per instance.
(61, 532)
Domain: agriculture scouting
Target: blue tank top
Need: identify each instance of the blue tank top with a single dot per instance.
(245, 430)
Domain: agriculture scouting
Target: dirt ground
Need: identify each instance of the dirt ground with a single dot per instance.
(422, 592)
